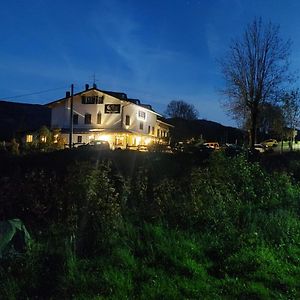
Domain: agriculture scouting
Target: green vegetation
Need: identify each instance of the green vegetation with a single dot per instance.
(123, 225)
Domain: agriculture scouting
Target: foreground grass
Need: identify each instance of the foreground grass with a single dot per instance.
(225, 230)
(154, 262)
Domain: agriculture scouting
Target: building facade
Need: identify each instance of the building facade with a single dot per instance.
(109, 116)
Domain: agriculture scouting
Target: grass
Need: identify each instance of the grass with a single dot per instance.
(224, 229)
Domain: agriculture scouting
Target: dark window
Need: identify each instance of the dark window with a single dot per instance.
(149, 129)
(99, 118)
(112, 108)
(79, 139)
(141, 125)
(127, 120)
(87, 119)
(142, 115)
(75, 119)
(153, 130)
(157, 132)
(92, 99)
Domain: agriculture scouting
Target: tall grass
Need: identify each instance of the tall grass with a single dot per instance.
(225, 230)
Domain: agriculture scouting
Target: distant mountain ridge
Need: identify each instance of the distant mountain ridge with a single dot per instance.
(208, 130)
(21, 117)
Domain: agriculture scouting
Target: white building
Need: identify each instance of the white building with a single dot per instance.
(110, 116)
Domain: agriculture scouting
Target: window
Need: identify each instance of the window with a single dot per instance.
(141, 125)
(141, 115)
(127, 120)
(112, 108)
(149, 129)
(87, 119)
(99, 118)
(119, 141)
(153, 130)
(157, 132)
(92, 99)
(75, 119)
(29, 138)
(79, 139)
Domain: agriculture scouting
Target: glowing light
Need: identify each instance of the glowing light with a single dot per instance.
(104, 137)
(55, 136)
(91, 137)
(138, 140)
(147, 141)
(29, 138)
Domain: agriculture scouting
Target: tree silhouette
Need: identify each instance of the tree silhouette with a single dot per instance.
(255, 70)
(181, 109)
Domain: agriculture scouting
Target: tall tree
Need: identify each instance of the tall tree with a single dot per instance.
(181, 109)
(255, 71)
(291, 111)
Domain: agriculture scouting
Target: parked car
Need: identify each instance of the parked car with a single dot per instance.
(260, 148)
(142, 148)
(270, 143)
(213, 145)
(99, 144)
(76, 145)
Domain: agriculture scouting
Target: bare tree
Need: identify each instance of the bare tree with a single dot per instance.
(255, 70)
(181, 109)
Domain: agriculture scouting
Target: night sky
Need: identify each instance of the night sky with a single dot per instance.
(156, 51)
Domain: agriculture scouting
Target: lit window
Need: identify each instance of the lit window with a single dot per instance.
(119, 140)
(99, 118)
(87, 119)
(43, 139)
(29, 138)
(55, 138)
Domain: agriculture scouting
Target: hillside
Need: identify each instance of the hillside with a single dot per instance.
(19, 117)
(209, 130)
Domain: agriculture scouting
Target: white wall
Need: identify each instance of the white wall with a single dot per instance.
(132, 111)
(61, 114)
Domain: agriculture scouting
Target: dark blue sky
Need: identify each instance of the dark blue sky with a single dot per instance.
(153, 50)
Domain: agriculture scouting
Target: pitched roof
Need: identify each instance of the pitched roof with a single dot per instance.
(119, 95)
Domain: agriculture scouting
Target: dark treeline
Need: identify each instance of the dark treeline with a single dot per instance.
(125, 225)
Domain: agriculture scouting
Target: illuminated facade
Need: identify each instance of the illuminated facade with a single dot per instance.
(110, 116)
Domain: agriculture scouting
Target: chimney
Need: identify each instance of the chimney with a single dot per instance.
(94, 85)
(68, 94)
(87, 87)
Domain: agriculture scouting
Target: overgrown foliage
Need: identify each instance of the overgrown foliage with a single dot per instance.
(224, 229)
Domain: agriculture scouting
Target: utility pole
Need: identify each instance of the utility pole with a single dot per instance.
(71, 118)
